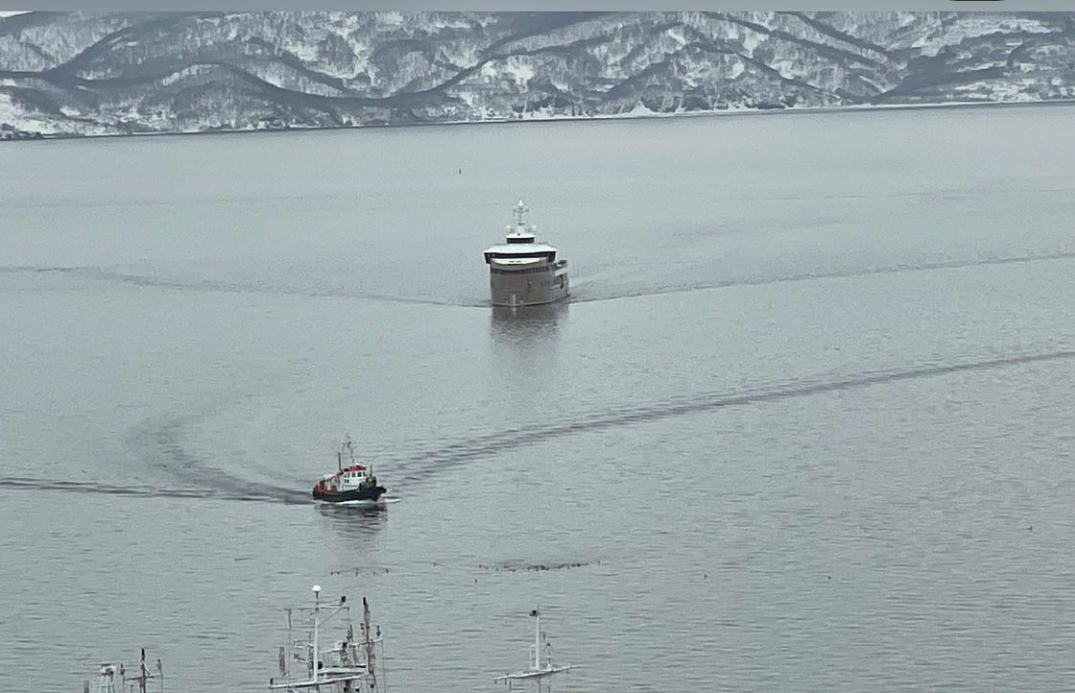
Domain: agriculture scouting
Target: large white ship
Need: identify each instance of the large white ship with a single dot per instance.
(523, 272)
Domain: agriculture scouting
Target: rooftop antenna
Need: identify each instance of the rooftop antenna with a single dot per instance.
(113, 678)
(106, 681)
(536, 671)
(368, 643)
(341, 666)
(317, 612)
(537, 638)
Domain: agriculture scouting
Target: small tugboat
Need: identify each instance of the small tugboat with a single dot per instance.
(347, 666)
(523, 272)
(353, 485)
(536, 673)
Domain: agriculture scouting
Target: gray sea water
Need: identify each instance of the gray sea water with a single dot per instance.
(805, 424)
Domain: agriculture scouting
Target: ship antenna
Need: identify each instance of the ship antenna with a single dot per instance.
(520, 209)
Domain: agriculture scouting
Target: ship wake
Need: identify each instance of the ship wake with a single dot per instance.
(592, 290)
(143, 491)
(425, 465)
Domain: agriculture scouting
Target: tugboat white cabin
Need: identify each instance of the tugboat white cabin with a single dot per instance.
(523, 272)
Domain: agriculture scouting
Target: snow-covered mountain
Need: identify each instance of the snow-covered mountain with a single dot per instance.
(115, 73)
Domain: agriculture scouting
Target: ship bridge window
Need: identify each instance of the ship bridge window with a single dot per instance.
(550, 256)
(526, 270)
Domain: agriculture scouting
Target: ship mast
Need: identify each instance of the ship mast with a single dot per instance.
(520, 209)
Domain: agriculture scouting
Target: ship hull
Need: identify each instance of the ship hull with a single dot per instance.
(528, 289)
(359, 494)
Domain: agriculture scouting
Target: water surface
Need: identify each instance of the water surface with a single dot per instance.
(803, 426)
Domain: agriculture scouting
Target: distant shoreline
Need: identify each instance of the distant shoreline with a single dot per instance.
(633, 115)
